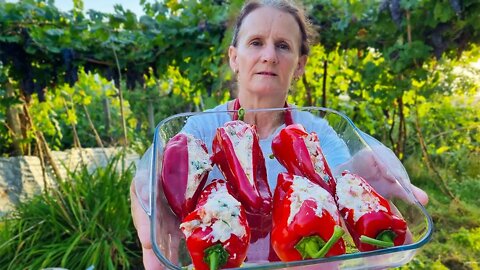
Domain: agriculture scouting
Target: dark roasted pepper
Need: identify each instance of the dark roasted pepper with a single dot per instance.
(368, 215)
(300, 153)
(185, 168)
(306, 221)
(217, 233)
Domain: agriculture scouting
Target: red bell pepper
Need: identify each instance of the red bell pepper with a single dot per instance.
(306, 221)
(217, 233)
(237, 153)
(185, 168)
(368, 215)
(300, 153)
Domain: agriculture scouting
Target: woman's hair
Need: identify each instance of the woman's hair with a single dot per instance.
(287, 6)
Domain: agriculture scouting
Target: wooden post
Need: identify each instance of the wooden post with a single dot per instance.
(13, 122)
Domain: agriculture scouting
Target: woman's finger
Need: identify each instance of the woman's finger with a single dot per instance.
(140, 219)
(150, 261)
(420, 194)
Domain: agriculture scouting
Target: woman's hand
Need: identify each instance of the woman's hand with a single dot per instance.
(142, 224)
(381, 168)
(168, 234)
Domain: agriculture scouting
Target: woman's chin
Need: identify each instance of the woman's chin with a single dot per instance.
(267, 90)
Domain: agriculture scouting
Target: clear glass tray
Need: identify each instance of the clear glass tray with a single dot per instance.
(169, 243)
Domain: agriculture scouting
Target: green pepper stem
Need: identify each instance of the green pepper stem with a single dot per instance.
(309, 246)
(215, 256)
(213, 260)
(241, 114)
(337, 234)
(271, 156)
(379, 243)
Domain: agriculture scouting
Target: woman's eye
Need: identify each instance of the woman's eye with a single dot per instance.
(283, 46)
(255, 43)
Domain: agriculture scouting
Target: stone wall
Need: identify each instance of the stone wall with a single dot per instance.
(22, 177)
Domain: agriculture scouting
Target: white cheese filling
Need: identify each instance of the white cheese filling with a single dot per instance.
(198, 164)
(303, 190)
(221, 212)
(242, 139)
(354, 194)
(318, 160)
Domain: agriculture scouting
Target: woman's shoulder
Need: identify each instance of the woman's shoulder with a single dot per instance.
(207, 121)
(218, 108)
(215, 115)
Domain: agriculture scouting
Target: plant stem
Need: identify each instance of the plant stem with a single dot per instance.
(379, 243)
(337, 234)
(216, 256)
(95, 133)
(120, 94)
(213, 259)
(314, 247)
(241, 114)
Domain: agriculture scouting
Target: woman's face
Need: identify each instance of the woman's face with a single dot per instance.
(267, 55)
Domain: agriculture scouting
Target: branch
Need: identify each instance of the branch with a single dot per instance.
(443, 185)
(95, 61)
(40, 139)
(92, 126)
(308, 89)
(324, 85)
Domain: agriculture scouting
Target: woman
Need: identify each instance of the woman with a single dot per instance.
(269, 50)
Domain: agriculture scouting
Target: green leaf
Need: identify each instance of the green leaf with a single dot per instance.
(442, 12)
(10, 39)
(442, 149)
(55, 32)
(409, 4)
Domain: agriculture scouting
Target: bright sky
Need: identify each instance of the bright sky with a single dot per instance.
(100, 5)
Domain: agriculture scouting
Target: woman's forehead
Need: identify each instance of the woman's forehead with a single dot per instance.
(265, 21)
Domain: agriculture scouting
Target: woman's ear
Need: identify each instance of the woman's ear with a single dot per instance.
(302, 62)
(232, 55)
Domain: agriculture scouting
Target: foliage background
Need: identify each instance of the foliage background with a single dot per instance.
(405, 71)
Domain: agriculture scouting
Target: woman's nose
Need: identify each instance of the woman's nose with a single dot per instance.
(269, 54)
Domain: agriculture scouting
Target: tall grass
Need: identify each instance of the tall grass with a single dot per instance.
(455, 241)
(83, 222)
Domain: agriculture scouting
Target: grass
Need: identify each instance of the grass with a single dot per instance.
(456, 240)
(84, 222)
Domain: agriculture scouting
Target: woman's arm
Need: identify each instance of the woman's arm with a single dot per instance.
(376, 163)
(199, 126)
(380, 166)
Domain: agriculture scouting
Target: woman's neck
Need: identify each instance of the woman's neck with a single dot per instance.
(266, 122)
(260, 102)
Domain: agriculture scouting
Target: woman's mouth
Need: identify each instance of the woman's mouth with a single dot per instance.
(266, 73)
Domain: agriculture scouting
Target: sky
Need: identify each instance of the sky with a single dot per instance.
(100, 5)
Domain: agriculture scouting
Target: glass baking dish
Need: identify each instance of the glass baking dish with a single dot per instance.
(168, 241)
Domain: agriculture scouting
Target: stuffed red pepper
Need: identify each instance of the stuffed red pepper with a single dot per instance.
(237, 153)
(300, 153)
(217, 233)
(185, 168)
(306, 221)
(368, 215)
